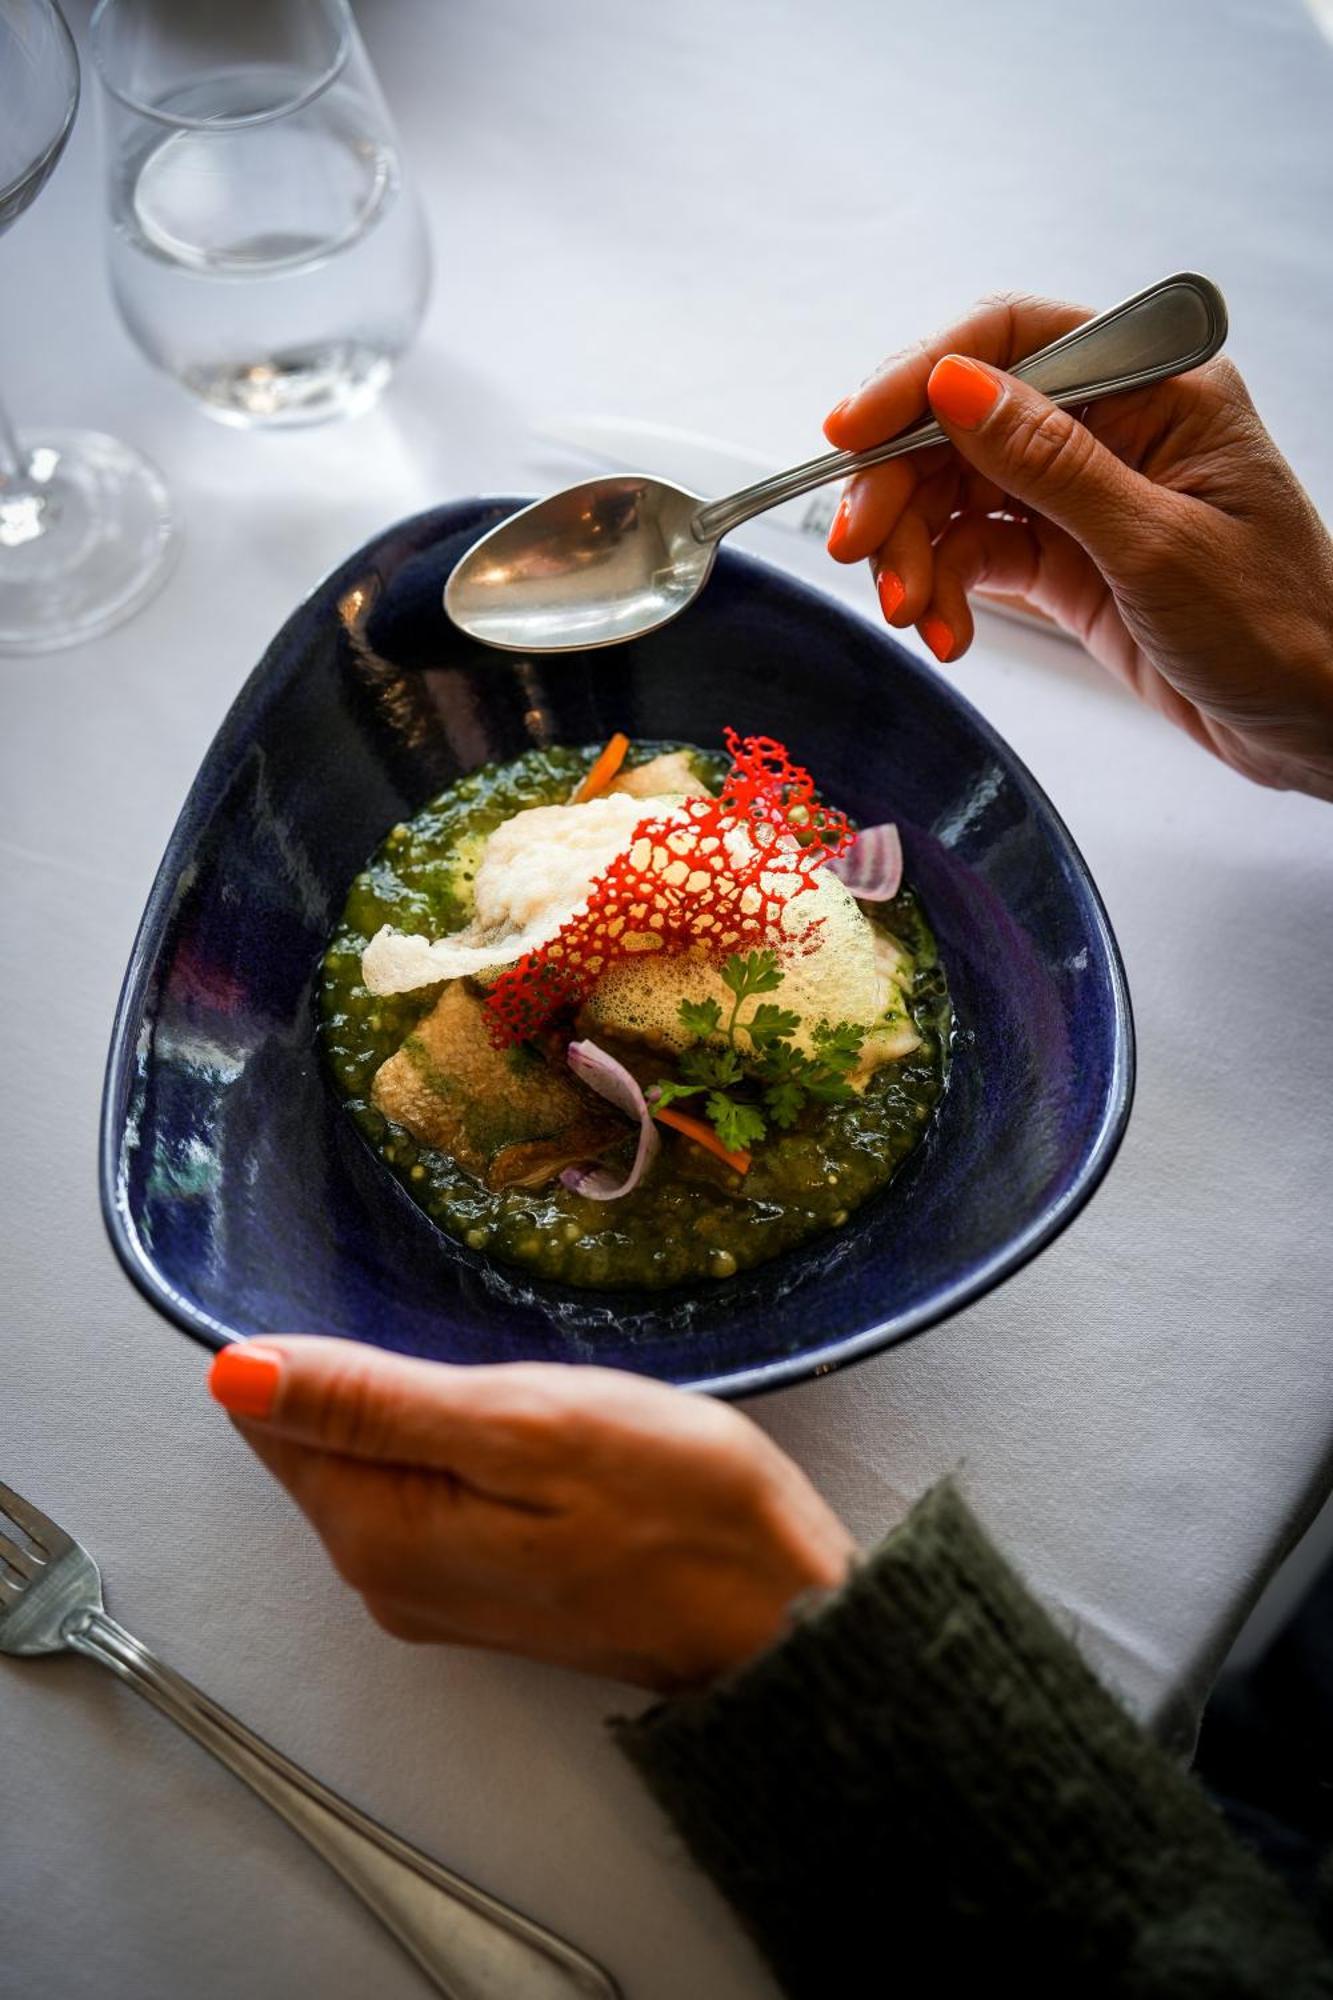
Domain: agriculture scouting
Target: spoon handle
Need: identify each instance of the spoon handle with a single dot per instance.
(1175, 325)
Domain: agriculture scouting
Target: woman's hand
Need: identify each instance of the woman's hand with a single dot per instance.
(1166, 532)
(575, 1515)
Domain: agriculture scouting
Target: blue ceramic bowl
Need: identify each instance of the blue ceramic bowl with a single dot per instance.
(241, 1198)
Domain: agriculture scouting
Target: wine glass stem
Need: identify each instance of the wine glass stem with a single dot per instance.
(11, 458)
(24, 509)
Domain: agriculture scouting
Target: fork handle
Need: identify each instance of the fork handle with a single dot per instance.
(470, 1946)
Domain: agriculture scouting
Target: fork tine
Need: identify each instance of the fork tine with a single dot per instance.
(50, 1539)
(19, 1560)
(10, 1592)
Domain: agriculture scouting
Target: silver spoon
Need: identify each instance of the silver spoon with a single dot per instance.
(615, 557)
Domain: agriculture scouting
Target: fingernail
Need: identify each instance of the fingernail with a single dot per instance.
(937, 636)
(245, 1379)
(842, 527)
(892, 590)
(834, 419)
(961, 391)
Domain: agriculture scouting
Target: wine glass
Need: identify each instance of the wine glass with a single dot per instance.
(85, 529)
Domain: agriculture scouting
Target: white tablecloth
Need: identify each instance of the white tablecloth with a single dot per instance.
(715, 217)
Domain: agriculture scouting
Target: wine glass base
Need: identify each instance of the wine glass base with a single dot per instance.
(91, 547)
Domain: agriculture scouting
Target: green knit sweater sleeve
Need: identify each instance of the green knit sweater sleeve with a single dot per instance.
(924, 1778)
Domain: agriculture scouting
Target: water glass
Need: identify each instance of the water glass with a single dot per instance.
(265, 247)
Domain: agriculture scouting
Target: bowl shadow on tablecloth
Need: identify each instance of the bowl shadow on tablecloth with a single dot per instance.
(241, 1198)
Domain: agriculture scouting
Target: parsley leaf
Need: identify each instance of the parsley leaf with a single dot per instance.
(779, 1060)
(667, 1092)
(770, 1024)
(739, 1126)
(700, 1018)
(838, 1048)
(757, 972)
(715, 1067)
(784, 1101)
(771, 1079)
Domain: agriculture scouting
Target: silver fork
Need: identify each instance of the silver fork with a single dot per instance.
(470, 1946)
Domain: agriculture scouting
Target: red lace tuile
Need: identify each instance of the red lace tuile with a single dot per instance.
(684, 883)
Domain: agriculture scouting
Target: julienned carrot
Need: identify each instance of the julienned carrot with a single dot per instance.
(703, 1135)
(602, 772)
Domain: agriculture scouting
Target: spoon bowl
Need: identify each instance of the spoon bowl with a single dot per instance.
(614, 558)
(595, 565)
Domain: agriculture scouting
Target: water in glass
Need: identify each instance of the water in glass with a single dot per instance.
(265, 249)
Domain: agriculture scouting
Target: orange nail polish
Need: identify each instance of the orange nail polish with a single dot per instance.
(842, 525)
(938, 637)
(834, 418)
(892, 590)
(245, 1379)
(962, 391)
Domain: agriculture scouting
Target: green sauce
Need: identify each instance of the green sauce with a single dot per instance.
(689, 1218)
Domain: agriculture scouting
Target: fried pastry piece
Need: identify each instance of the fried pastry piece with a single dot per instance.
(492, 1110)
(837, 966)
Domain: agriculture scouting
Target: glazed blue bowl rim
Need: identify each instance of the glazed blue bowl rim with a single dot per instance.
(263, 684)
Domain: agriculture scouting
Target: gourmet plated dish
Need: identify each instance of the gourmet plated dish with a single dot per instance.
(237, 1187)
(637, 1016)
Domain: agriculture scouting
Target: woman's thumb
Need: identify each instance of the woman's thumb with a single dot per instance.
(339, 1396)
(1040, 454)
(357, 1401)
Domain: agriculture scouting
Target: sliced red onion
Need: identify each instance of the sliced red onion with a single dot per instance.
(872, 868)
(611, 1080)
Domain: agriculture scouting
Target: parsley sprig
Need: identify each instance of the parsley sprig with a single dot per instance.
(764, 1080)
